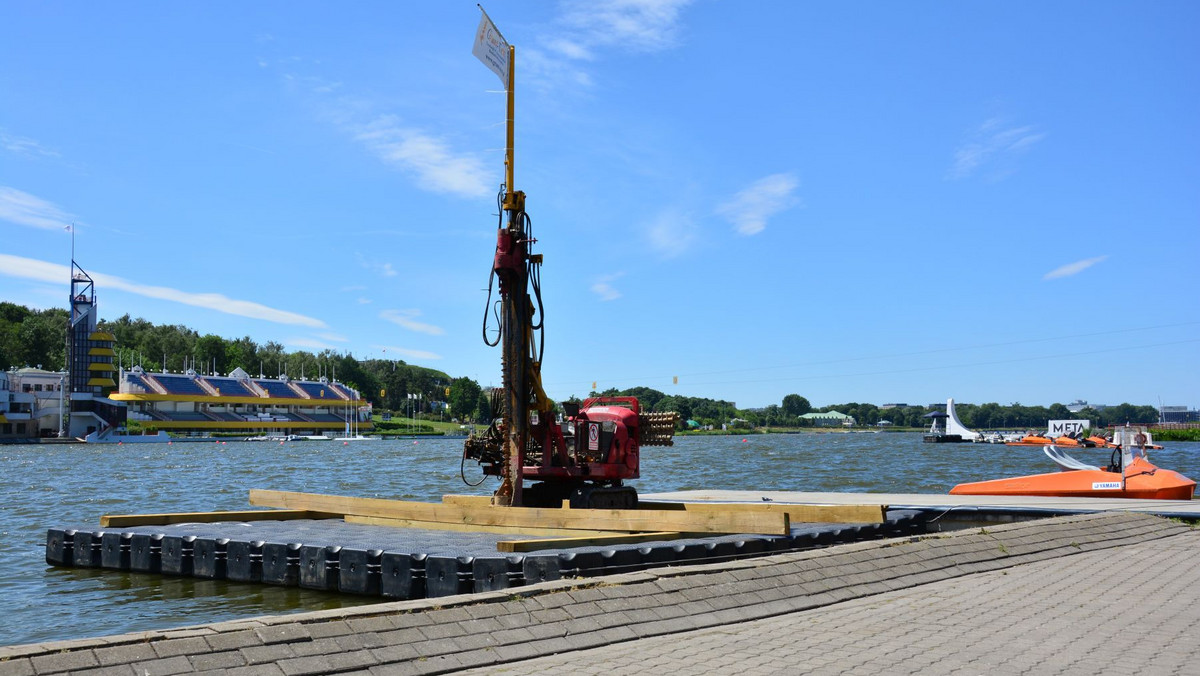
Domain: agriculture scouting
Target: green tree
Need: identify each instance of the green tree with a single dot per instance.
(1059, 412)
(795, 405)
(210, 354)
(42, 337)
(464, 398)
(11, 347)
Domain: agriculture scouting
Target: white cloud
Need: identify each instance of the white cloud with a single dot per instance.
(335, 337)
(671, 233)
(1073, 268)
(584, 29)
(364, 301)
(638, 25)
(25, 209)
(310, 343)
(993, 144)
(53, 273)
(750, 208)
(429, 159)
(604, 289)
(406, 352)
(21, 145)
(384, 269)
(408, 319)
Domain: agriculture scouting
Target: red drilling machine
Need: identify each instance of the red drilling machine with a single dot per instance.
(588, 455)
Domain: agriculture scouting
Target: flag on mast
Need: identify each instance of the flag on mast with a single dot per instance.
(491, 48)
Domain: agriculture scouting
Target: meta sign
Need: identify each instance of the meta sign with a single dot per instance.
(1062, 428)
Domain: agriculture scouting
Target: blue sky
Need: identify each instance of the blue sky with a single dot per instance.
(877, 202)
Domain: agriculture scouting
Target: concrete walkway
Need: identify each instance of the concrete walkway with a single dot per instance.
(1087, 594)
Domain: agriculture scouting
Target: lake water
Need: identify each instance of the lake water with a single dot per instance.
(43, 486)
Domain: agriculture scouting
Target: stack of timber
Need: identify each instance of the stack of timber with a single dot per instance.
(398, 549)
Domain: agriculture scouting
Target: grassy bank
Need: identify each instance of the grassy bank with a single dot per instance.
(1168, 434)
(407, 426)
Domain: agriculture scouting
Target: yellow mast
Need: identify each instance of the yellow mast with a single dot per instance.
(509, 123)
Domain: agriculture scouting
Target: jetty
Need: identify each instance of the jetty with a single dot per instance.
(1121, 590)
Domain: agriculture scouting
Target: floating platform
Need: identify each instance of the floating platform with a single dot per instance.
(396, 550)
(410, 563)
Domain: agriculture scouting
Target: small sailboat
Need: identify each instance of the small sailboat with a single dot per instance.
(352, 433)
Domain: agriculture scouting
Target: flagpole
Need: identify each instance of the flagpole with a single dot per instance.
(509, 196)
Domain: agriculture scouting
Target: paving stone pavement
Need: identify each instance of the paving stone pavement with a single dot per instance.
(1135, 610)
(1087, 594)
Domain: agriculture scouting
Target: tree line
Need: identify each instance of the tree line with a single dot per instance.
(788, 413)
(38, 338)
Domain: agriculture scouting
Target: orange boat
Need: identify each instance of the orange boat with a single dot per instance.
(1072, 442)
(1031, 440)
(1130, 475)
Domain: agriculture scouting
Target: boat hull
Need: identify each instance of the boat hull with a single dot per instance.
(1142, 481)
(1030, 440)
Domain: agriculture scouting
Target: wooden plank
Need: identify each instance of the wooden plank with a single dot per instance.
(586, 541)
(639, 520)
(468, 500)
(796, 513)
(866, 513)
(471, 527)
(126, 520)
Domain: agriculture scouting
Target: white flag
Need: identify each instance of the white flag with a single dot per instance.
(491, 47)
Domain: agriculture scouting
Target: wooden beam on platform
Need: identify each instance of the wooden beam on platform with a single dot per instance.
(584, 541)
(472, 527)
(639, 520)
(127, 520)
(866, 513)
(796, 513)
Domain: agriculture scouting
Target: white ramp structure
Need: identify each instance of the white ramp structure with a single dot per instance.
(955, 426)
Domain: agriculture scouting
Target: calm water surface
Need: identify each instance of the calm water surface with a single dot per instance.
(43, 486)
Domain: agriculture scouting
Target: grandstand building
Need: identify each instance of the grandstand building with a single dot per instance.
(191, 403)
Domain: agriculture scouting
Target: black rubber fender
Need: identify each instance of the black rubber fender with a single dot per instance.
(319, 567)
(359, 571)
(145, 552)
(178, 554)
(208, 558)
(281, 563)
(402, 576)
(60, 546)
(244, 560)
(541, 568)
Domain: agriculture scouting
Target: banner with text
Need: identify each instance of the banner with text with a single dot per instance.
(491, 47)
(1066, 428)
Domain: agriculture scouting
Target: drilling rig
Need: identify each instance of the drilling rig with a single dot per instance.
(585, 457)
